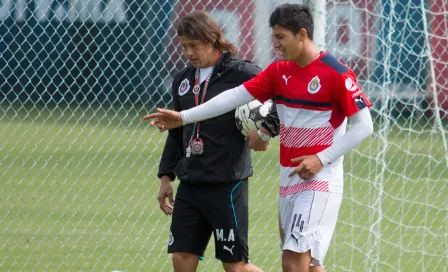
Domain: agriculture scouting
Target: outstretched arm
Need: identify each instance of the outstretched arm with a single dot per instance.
(260, 87)
(216, 106)
(220, 104)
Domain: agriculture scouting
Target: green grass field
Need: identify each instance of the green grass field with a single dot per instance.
(78, 192)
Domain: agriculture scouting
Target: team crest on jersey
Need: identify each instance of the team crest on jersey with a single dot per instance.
(314, 85)
(184, 87)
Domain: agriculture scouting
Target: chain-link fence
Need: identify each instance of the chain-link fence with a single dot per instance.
(78, 179)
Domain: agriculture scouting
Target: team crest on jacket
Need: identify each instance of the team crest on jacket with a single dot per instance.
(184, 87)
(314, 85)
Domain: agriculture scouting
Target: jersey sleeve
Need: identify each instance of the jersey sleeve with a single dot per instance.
(262, 85)
(349, 96)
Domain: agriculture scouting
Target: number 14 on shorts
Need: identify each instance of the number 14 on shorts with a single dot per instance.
(297, 222)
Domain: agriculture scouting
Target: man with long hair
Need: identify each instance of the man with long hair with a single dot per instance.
(211, 158)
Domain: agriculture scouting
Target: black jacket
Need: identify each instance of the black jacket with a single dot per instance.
(226, 156)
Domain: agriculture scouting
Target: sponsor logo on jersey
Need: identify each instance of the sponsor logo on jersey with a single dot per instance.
(350, 85)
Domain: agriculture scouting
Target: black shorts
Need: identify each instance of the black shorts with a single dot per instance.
(203, 209)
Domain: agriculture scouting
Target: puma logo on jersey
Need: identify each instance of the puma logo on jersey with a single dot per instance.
(229, 249)
(360, 102)
(286, 79)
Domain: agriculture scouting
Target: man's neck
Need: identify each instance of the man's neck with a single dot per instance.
(213, 58)
(310, 53)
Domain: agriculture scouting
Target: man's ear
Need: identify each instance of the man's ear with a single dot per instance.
(302, 34)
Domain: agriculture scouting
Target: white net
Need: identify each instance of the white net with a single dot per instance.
(78, 179)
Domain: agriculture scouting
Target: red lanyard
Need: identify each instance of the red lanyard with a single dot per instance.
(196, 90)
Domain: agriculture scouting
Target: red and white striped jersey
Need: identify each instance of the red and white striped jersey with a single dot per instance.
(313, 104)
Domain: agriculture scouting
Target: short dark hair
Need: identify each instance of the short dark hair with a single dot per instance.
(199, 25)
(293, 17)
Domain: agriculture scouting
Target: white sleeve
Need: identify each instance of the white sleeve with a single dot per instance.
(218, 105)
(361, 128)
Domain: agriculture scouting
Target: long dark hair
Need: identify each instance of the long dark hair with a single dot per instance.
(199, 25)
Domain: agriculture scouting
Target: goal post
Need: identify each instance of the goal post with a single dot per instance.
(319, 8)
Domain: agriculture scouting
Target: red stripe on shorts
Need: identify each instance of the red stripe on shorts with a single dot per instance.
(310, 185)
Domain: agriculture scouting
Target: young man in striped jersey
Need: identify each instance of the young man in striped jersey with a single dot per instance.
(315, 95)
